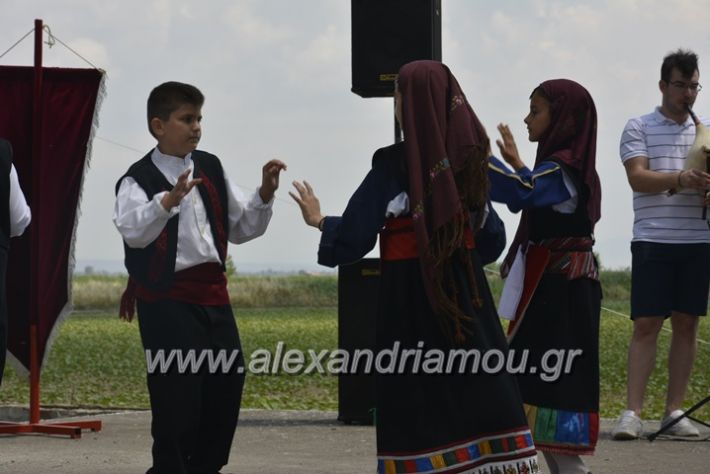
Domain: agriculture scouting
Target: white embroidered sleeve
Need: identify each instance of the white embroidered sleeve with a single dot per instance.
(139, 220)
(249, 216)
(20, 214)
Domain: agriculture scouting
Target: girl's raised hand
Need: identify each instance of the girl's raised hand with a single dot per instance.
(508, 148)
(308, 202)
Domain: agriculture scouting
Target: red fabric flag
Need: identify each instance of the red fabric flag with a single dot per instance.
(41, 262)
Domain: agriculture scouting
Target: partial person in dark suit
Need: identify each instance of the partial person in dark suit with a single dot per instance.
(15, 216)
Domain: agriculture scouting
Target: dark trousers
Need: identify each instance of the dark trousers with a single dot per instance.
(194, 415)
(3, 311)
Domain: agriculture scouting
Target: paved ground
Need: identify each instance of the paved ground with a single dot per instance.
(295, 442)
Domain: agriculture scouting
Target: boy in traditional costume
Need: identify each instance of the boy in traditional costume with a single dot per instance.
(175, 230)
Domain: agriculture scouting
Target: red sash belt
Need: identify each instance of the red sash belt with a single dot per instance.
(203, 284)
(398, 241)
(571, 256)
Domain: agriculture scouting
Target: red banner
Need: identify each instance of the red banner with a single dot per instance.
(41, 262)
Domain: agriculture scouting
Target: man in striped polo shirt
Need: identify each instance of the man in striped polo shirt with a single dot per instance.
(671, 243)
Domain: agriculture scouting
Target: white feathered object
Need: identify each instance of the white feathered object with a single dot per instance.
(697, 156)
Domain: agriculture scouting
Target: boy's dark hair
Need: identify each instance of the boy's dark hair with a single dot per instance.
(170, 96)
(685, 61)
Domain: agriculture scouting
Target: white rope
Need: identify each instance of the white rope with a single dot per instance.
(17, 42)
(119, 144)
(51, 39)
(616, 313)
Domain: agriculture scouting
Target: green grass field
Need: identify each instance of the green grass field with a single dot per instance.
(97, 360)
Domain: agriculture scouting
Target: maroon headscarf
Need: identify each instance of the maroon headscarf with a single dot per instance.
(570, 139)
(443, 136)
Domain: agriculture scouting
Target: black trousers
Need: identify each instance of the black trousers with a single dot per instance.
(194, 414)
(3, 311)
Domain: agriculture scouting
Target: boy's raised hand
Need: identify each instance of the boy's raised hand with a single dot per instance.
(179, 191)
(270, 179)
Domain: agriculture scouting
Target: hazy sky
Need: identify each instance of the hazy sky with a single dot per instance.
(276, 75)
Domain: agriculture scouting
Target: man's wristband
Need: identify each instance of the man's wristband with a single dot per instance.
(320, 224)
(679, 175)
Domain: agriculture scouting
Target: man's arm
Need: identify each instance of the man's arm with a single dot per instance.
(643, 180)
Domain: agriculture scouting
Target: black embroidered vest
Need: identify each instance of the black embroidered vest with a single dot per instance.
(547, 223)
(154, 266)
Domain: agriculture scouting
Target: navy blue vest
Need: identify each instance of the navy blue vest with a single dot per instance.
(154, 266)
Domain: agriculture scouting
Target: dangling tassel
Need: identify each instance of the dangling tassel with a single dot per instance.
(128, 301)
(473, 284)
(459, 336)
(448, 245)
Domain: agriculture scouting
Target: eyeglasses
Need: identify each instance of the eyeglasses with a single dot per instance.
(694, 87)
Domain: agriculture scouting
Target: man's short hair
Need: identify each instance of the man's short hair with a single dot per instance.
(170, 96)
(685, 61)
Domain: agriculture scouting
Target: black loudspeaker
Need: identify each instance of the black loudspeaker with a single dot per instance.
(386, 34)
(358, 287)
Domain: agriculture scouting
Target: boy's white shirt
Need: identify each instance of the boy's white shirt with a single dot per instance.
(140, 220)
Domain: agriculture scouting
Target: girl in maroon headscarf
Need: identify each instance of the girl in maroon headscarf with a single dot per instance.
(552, 292)
(426, 198)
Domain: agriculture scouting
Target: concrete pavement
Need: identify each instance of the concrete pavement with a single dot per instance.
(296, 442)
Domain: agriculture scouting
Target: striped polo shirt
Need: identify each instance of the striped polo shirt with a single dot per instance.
(659, 217)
